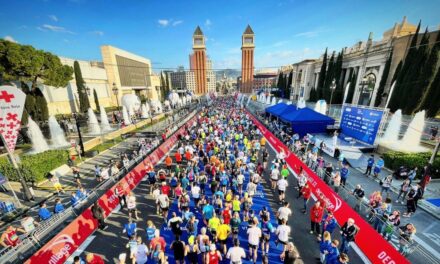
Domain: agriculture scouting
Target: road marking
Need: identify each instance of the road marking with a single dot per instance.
(426, 246)
(80, 249)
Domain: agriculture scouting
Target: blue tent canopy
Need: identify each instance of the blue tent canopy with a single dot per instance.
(306, 120)
(273, 108)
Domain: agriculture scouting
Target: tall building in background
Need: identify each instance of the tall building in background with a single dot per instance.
(198, 62)
(247, 60)
(210, 76)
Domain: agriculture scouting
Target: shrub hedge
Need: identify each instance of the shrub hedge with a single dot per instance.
(34, 167)
(395, 159)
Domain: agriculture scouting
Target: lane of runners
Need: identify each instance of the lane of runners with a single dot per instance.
(210, 194)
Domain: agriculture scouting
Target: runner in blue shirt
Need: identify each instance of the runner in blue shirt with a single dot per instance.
(130, 228)
(208, 212)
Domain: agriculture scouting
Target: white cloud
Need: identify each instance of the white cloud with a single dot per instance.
(208, 23)
(98, 33)
(52, 28)
(10, 38)
(177, 22)
(307, 34)
(280, 43)
(163, 22)
(53, 18)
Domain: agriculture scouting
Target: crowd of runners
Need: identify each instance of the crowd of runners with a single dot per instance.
(209, 196)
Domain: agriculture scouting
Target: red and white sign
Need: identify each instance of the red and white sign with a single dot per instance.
(378, 252)
(59, 248)
(11, 108)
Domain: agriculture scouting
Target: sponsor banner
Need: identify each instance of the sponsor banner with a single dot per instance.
(361, 123)
(378, 252)
(59, 248)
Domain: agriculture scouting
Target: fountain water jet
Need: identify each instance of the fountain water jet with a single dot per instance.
(411, 140)
(391, 135)
(144, 111)
(105, 125)
(39, 143)
(93, 123)
(125, 116)
(56, 134)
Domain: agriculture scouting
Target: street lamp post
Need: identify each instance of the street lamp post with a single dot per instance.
(78, 127)
(332, 88)
(115, 92)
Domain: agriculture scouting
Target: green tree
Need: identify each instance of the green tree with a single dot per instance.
(84, 103)
(313, 96)
(428, 74)
(339, 91)
(432, 98)
(95, 95)
(413, 82)
(399, 88)
(383, 80)
(329, 76)
(321, 79)
(288, 86)
(351, 88)
(26, 64)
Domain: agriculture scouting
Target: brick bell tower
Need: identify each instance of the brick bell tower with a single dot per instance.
(199, 61)
(247, 60)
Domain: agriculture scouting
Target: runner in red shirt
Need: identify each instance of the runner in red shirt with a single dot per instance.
(226, 215)
(10, 237)
(214, 256)
(178, 157)
(166, 189)
(188, 155)
(158, 240)
(94, 259)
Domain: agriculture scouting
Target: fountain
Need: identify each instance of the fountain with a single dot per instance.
(131, 110)
(144, 111)
(280, 101)
(391, 135)
(411, 140)
(39, 143)
(93, 123)
(321, 107)
(57, 134)
(263, 98)
(268, 99)
(274, 101)
(125, 116)
(105, 125)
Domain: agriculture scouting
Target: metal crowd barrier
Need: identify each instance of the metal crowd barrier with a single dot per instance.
(47, 229)
(407, 248)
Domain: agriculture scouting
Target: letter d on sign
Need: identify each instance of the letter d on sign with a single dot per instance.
(385, 258)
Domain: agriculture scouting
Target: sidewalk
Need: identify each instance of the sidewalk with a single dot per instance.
(46, 192)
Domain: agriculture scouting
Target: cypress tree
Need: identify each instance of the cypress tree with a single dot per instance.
(280, 76)
(84, 103)
(351, 88)
(383, 80)
(312, 96)
(399, 88)
(42, 112)
(413, 82)
(431, 103)
(288, 85)
(428, 74)
(321, 80)
(338, 94)
(95, 95)
(329, 76)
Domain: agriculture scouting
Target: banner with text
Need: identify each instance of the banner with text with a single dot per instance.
(59, 248)
(378, 252)
(361, 123)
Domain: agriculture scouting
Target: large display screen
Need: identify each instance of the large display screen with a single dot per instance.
(360, 123)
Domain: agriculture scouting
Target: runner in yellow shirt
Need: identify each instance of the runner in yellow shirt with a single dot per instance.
(263, 142)
(223, 232)
(213, 224)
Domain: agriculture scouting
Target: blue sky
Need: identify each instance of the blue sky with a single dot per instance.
(286, 31)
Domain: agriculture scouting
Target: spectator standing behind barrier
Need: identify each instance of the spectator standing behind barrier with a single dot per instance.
(386, 184)
(359, 194)
(28, 223)
(344, 174)
(348, 233)
(378, 168)
(98, 214)
(370, 164)
(59, 207)
(316, 214)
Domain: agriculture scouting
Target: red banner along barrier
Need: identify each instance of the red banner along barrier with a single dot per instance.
(59, 248)
(372, 244)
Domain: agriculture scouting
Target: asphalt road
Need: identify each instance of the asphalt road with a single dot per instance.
(111, 242)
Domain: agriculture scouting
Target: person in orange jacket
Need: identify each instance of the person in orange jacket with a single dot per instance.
(316, 214)
(168, 162)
